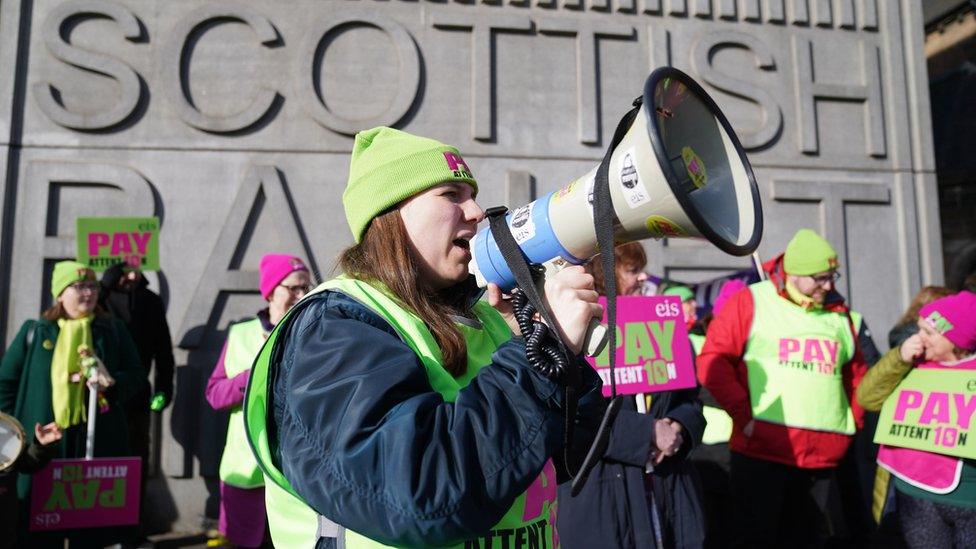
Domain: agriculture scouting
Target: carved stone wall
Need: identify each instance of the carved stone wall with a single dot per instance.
(233, 121)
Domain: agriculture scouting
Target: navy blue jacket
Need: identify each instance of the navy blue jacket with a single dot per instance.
(612, 509)
(367, 442)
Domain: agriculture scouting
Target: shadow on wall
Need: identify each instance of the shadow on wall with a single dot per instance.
(196, 427)
(161, 511)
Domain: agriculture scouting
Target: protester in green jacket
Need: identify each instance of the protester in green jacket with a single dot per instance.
(41, 378)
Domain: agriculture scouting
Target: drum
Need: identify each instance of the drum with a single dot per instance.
(13, 439)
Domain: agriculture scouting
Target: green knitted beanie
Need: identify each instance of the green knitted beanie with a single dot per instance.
(389, 166)
(808, 253)
(67, 273)
(683, 292)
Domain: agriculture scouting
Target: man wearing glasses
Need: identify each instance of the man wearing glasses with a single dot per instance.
(284, 281)
(782, 358)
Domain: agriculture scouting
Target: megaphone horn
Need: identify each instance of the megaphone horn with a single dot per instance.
(679, 172)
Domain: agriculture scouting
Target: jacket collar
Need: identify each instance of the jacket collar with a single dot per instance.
(463, 295)
(264, 315)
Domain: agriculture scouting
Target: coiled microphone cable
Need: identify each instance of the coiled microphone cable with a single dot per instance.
(541, 349)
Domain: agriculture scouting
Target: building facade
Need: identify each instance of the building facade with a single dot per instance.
(232, 122)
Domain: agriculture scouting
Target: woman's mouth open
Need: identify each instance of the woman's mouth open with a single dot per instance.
(464, 246)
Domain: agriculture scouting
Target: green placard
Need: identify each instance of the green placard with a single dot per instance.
(933, 409)
(105, 241)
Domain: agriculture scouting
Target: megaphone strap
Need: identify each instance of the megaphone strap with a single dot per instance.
(519, 266)
(527, 283)
(603, 221)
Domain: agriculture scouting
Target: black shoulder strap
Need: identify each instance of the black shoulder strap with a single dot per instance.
(519, 266)
(603, 222)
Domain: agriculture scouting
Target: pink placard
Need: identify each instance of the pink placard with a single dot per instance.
(80, 493)
(653, 350)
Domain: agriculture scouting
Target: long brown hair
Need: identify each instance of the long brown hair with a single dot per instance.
(925, 296)
(384, 255)
(56, 311)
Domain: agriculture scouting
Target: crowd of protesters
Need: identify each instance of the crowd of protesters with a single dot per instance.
(44, 386)
(395, 406)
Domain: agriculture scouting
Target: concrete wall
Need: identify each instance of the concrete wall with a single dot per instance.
(232, 122)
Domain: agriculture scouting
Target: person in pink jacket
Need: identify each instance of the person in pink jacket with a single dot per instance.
(284, 280)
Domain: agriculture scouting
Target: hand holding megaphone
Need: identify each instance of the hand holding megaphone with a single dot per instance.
(574, 304)
(594, 336)
(674, 169)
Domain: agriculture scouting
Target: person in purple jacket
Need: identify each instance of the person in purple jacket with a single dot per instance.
(284, 280)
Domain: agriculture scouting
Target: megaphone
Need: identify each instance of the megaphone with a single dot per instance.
(679, 172)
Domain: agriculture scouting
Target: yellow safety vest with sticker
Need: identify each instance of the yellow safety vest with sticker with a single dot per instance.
(294, 524)
(794, 359)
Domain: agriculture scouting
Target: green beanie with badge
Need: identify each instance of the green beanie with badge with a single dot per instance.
(67, 273)
(683, 292)
(389, 166)
(808, 253)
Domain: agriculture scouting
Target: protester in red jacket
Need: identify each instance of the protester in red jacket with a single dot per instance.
(782, 359)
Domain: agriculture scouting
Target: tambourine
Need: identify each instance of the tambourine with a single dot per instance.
(13, 440)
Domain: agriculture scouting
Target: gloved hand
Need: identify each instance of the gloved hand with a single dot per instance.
(159, 402)
(94, 369)
(98, 377)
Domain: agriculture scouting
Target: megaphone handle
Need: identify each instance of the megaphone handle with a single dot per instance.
(596, 337)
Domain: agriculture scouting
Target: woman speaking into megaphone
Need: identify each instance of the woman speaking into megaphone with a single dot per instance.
(391, 406)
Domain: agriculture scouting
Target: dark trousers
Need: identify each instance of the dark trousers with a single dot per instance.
(930, 525)
(138, 421)
(9, 507)
(776, 505)
(712, 462)
(137, 418)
